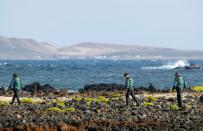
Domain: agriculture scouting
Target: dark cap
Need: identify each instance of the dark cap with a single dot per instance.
(125, 75)
(177, 74)
(15, 75)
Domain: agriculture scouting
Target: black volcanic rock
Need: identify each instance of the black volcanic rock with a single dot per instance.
(2, 91)
(119, 87)
(113, 115)
(36, 87)
(103, 87)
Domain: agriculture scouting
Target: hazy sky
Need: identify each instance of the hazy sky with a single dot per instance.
(166, 23)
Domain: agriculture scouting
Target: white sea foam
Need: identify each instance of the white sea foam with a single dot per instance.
(169, 65)
(72, 91)
(3, 64)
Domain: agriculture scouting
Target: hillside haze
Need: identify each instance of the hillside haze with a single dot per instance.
(13, 48)
(24, 48)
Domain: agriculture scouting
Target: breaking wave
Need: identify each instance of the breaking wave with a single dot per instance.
(169, 65)
(3, 64)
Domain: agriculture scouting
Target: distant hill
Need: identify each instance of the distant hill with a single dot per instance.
(100, 50)
(13, 48)
(24, 48)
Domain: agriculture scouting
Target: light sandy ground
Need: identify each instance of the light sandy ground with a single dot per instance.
(3, 98)
(164, 95)
(157, 95)
(35, 99)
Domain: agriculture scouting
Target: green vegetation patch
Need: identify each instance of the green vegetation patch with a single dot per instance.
(117, 95)
(174, 107)
(26, 100)
(145, 104)
(151, 99)
(197, 88)
(4, 103)
(58, 110)
(60, 103)
(55, 109)
(101, 99)
(71, 109)
(78, 98)
(89, 99)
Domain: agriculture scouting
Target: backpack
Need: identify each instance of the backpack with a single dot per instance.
(17, 83)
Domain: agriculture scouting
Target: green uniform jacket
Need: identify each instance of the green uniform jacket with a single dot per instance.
(129, 83)
(16, 83)
(179, 82)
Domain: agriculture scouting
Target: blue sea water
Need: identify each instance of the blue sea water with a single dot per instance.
(75, 74)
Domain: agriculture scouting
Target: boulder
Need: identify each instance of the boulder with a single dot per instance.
(119, 87)
(36, 87)
(2, 90)
(103, 87)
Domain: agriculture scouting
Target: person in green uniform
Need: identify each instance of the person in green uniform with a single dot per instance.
(179, 85)
(15, 85)
(130, 89)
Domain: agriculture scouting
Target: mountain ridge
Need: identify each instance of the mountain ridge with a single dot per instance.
(14, 48)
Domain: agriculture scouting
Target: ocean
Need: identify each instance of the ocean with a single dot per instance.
(75, 74)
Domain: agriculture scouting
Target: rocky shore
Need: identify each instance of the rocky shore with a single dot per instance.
(101, 110)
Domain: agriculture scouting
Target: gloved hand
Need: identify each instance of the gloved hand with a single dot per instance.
(173, 89)
(170, 90)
